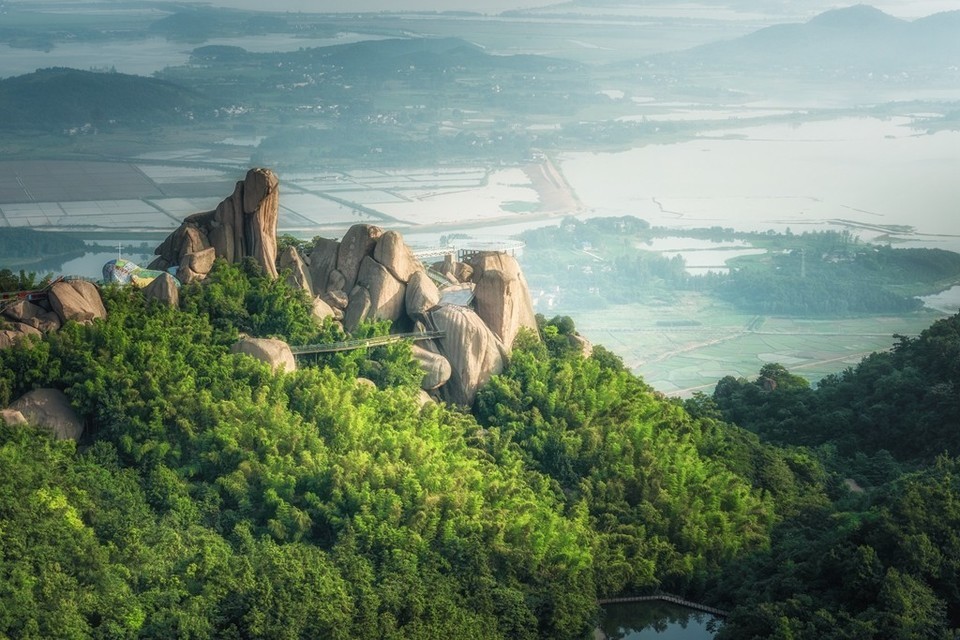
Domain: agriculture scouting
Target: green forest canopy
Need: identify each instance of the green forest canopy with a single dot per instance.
(213, 498)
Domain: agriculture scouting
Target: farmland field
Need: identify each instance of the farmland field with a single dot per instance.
(688, 345)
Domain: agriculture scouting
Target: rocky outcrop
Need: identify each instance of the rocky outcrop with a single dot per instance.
(12, 417)
(243, 225)
(357, 309)
(386, 293)
(394, 254)
(49, 409)
(358, 243)
(436, 368)
(474, 352)
(77, 300)
(32, 315)
(321, 311)
(299, 274)
(323, 260)
(372, 274)
(502, 297)
(581, 344)
(421, 296)
(275, 353)
(164, 289)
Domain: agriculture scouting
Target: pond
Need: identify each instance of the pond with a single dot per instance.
(655, 621)
(947, 301)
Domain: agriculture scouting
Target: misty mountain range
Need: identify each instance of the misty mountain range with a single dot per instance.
(860, 40)
(860, 37)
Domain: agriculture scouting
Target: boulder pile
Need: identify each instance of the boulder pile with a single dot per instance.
(243, 225)
(46, 408)
(77, 300)
(371, 274)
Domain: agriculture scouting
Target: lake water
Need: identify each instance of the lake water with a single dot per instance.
(947, 301)
(866, 174)
(655, 621)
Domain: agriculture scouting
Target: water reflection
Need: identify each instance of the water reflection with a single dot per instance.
(655, 620)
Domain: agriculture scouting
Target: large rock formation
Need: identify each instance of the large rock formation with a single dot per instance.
(49, 409)
(436, 368)
(474, 352)
(299, 274)
(358, 243)
(502, 297)
(33, 315)
(372, 274)
(76, 300)
(164, 289)
(243, 225)
(275, 353)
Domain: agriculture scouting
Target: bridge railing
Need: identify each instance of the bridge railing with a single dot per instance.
(361, 343)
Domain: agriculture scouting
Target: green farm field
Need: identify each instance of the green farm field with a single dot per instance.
(694, 341)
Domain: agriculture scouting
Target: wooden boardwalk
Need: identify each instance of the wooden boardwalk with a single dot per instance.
(668, 597)
(349, 345)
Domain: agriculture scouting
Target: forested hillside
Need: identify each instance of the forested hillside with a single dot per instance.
(882, 560)
(214, 498)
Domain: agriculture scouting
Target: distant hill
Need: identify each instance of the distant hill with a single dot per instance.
(372, 58)
(858, 38)
(62, 98)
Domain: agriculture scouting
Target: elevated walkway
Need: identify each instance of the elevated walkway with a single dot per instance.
(668, 597)
(361, 343)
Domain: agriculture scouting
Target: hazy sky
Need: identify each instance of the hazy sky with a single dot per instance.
(901, 8)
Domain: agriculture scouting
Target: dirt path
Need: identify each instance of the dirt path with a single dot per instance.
(557, 197)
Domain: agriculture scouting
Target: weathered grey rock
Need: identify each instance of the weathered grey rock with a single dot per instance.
(502, 297)
(199, 261)
(77, 300)
(321, 310)
(421, 295)
(474, 352)
(23, 311)
(423, 399)
(366, 382)
(394, 254)
(12, 417)
(581, 344)
(47, 322)
(261, 206)
(164, 289)
(299, 274)
(462, 271)
(323, 260)
(336, 281)
(226, 229)
(357, 309)
(32, 315)
(25, 329)
(336, 299)
(386, 292)
(357, 243)
(436, 368)
(50, 409)
(186, 275)
(9, 337)
(275, 353)
(188, 238)
(243, 225)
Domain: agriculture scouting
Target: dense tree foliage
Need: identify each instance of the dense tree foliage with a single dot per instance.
(905, 401)
(214, 498)
(880, 560)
